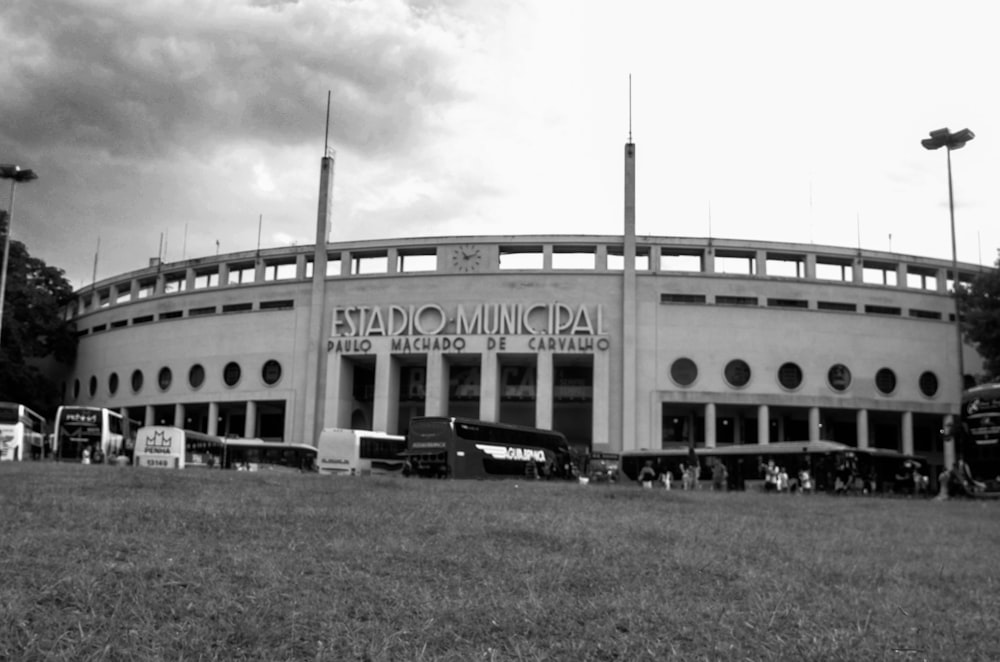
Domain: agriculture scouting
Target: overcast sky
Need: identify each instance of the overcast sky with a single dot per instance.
(772, 120)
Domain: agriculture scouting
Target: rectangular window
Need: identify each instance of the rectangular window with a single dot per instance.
(173, 314)
(788, 303)
(837, 305)
(119, 324)
(277, 305)
(144, 319)
(883, 310)
(194, 312)
(237, 307)
(567, 257)
(206, 279)
(736, 301)
(682, 298)
(925, 314)
(99, 328)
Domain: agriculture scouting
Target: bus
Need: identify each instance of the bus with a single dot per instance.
(257, 455)
(344, 452)
(979, 442)
(23, 433)
(874, 469)
(449, 447)
(100, 431)
(168, 447)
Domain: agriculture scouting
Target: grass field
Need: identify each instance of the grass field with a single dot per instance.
(103, 563)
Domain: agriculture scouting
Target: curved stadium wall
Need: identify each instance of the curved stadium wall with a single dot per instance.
(732, 341)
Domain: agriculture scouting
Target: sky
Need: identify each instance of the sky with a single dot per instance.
(161, 127)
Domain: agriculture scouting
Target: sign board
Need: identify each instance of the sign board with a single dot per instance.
(159, 447)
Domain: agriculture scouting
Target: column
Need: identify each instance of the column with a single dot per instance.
(763, 424)
(213, 418)
(149, 415)
(814, 424)
(601, 406)
(949, 441)
(179, 421)
(761, 263)
(489, 387)
(250, 427)
(436, 390)
(907, 433)
(862, 428)
(710, 435)
(339, 399)
(544, 390)
(386, 407)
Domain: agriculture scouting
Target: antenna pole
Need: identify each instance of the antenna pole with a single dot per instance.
(326, 139)
(260, 223)
(630, 107)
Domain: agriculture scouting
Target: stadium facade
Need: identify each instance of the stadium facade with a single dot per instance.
(620, 342)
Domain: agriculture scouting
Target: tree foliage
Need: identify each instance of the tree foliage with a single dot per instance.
(980, 305)
(34, 327)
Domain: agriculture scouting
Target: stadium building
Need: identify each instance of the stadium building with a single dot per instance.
(620, 342)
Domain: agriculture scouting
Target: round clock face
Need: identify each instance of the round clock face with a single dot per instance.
(466, 257)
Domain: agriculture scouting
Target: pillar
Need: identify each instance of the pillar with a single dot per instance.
(763, 424)
(544, 390)
(250, 427)
(179, 417)
(862, 428)
(489, 387)
(814, 424)
(710, 435)
(385, 410)
(213, 418)
(436, 389)
(907, 432)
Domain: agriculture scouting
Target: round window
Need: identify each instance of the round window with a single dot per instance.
(137, 381)
(93, 386)
(929, 384)
(164, 378)
(684, 372)
(737, 373)
(271, 372)
(113, 383)
(196, 375)
(839, 377)
(885, 381)
(790, 376)
(231, 373)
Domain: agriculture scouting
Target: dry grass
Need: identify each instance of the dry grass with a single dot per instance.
(126, 564)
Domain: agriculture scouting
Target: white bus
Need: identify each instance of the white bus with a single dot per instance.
(101, 432)
(22, 432)
(360, 452)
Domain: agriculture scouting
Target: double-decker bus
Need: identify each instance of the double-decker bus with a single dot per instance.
(257, 455)
(343, 452)
(22, 432)
(979, 442)
(876, 469)
(449, 447)
(100, 431)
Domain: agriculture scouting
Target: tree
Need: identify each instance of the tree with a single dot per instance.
(980, 306)
(34, 328)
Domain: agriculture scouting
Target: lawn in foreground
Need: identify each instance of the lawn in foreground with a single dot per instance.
(130, 564)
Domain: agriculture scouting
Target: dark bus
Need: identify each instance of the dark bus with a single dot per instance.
(874, 469)
(979, 442)
(448, 447)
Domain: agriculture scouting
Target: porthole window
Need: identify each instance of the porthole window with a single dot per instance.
(113, 383)
(271, 372)
(137, 381)
(196, 375)
(839, 377)
(164, 378)
(737, 373)
(76, 389)
(885, 381)
(93, 386)
(684, 372)
(929, 384)
(790, 376)
(231, 373)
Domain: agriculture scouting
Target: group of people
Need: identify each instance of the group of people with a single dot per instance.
(690, 476)
(777, 479)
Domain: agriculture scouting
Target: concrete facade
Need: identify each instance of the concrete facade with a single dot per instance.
(722, 341)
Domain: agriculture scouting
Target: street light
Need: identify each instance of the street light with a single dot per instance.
(945, 138)
(15, 174)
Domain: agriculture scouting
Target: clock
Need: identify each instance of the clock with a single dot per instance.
(466, 258)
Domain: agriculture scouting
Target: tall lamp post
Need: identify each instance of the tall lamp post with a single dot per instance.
(945, 138)
(15, 174)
